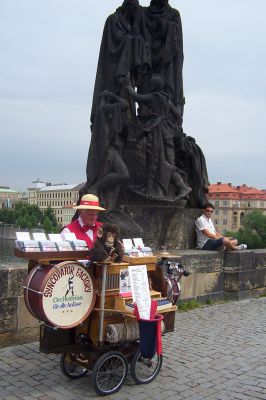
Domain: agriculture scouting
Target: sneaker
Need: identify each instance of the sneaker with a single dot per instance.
(241, 247)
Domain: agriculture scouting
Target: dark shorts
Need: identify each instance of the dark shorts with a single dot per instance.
(213, 244)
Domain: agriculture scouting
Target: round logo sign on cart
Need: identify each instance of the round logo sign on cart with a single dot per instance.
(62, 295)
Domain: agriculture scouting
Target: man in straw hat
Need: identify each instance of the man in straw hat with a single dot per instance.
(86, 225)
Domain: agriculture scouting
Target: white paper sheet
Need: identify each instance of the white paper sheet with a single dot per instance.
(128, 244)
(39, 236)
(138, 242)
(140, 289)
(23, 236)
(69, 236)
(55, 237)
(124, 282)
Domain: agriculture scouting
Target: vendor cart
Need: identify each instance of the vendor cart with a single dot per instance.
(85, 319)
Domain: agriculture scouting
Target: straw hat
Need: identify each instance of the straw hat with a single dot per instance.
(89, 202)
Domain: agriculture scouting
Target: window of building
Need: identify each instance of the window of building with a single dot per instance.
(216, 203)
(216, 221)
(224, 221)
(225, 203)
(249, 204)
(216, 212)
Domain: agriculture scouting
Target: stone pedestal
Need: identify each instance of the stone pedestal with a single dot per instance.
(158, 226)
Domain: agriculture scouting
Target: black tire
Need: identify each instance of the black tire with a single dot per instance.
(71, 367)
(109, 372)
(144, 370)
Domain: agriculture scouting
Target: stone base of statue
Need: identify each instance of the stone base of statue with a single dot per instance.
(159, 224)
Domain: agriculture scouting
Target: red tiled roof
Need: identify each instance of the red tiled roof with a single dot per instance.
(254, 191)
(222, 188)
(231, 192)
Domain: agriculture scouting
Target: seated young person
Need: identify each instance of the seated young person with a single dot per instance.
(207, 236)
(86, 225)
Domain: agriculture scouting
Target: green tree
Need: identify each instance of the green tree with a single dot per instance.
(253, 232)
(47, 225)
(7, 216)
(50, 216)
(30, 217)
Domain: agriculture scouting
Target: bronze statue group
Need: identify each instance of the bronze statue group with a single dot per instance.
(138, 148)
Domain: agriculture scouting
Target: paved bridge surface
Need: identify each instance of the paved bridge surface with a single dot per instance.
(216, 352)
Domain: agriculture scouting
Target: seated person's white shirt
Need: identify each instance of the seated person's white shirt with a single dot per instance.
(203, 223)
(89, 232)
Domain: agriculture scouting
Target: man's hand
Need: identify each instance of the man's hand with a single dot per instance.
(211, 235)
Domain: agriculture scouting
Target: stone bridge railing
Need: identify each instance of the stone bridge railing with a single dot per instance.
(214, 275)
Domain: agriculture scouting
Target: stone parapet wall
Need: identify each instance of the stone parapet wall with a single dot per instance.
(206, 274)
(8, 231)
(245, 274)
(213, 275)
(16, 323)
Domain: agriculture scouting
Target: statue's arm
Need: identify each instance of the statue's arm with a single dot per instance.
(112, 98)
(142, 98)
(175, 111)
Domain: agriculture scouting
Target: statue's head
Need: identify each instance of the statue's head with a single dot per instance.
(156, 83)
(130, 4)
(159, 3)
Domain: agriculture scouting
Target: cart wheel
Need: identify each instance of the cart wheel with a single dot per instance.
(144, 370)
(109, 372)
(70, 364)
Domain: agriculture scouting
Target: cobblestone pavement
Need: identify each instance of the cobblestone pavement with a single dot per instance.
(216, 352)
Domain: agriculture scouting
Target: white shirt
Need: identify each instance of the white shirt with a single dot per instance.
(88, 233)
(203, 223)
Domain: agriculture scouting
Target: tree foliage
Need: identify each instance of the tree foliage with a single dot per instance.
(253, 231)
(30, 217)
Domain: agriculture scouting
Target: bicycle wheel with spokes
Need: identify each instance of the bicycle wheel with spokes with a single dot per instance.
(144, 370)
(109, 372)
(71, 365)
(172, 289)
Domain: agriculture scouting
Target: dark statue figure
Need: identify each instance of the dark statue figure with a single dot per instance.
(105, 167)
(139, 153)
(125, 49)
(166, 41)
(161, 171)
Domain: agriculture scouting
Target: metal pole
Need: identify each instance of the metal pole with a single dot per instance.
(104, 270)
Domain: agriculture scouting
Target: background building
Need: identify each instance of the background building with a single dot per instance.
(232, 203)
(8, 197)
(60, 197)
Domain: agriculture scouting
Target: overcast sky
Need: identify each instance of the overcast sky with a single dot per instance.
(49, 52)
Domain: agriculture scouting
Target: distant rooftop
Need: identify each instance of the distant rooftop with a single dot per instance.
(36, 184)
(47, 186)
(222, 188)
(6, 189)
(242, 191)
(64, 186)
